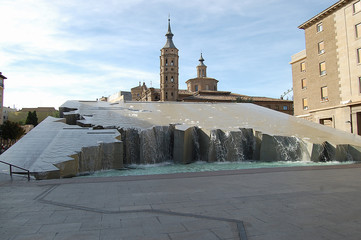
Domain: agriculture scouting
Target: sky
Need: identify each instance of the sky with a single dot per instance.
(59, 50)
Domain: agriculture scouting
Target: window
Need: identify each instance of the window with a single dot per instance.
(166, 78)
(166, 95)
(358, 30)
(196, 87)
(285, 107)
(321, 47)
(172, 79)
(359, 83)
(323, 68)
(356, 7)
(324, 94)
(304, 83)
(207, 87)
(326, 121)
(305, 104)
(303, 66)
(319, 27)
(166, 62)
(172, 63)
(359, 55)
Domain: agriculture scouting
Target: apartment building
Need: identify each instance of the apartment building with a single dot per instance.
(327, 74)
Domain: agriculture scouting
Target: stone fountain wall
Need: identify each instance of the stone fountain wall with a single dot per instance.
(185, 145)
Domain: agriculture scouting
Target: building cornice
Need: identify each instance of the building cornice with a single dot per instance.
(202, 78)
(327, 108)
(298, 57)
(324, 14)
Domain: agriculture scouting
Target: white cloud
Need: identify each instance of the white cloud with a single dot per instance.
(56, 50)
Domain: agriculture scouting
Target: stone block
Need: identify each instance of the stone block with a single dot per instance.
(232, 145)
(186, 145)
(71, 118)
(216, 151)
(156, 144)
(324, 152)
(346, 152)
(46, 175)
(102, 157)
(204, 140)
(111, 155)
(131, 145)
(69, 168)
(282, 148)
(257, 145)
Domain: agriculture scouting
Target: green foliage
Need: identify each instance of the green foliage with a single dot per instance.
(244, 100)
(56, 114)
(32, 118)
(11, 130)
(20, 117)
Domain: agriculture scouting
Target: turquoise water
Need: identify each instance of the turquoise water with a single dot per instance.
(167, 167)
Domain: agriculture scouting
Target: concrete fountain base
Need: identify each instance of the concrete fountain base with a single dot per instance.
(92, 136)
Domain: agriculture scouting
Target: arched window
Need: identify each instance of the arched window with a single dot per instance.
(166, 78)
(166, 62)
(203, 73)
(172, 63)
(171, 79)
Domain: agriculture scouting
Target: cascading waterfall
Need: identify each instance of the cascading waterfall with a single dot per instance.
(217, 152)
(196, 156)
(288, 148)
(156, 145)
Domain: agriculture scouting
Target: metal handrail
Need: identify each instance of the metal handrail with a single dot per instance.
(11, 170)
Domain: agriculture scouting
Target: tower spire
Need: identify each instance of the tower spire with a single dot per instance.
(201, 60)
(169, 35)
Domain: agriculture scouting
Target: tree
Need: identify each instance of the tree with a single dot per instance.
(32, 118)
(11, 130)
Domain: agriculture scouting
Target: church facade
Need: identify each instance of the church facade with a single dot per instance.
(199, 89)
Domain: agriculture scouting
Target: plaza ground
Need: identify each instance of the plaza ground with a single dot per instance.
(283, 203)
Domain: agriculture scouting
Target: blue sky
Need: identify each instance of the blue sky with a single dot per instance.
(53, 51)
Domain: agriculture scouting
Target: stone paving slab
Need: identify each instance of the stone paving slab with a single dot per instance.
(297, 203)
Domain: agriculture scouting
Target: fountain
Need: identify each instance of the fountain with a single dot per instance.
(92, 136)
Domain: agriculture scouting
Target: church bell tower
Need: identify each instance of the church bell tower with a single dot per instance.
(169, 69)
(201, 68)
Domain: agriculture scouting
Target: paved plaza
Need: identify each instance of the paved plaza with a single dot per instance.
(257, 204)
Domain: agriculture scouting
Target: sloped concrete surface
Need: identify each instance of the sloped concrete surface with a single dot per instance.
(53, 142)
(224, 116)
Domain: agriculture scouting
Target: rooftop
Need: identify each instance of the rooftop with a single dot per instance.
(2, 76)
(324, 13)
